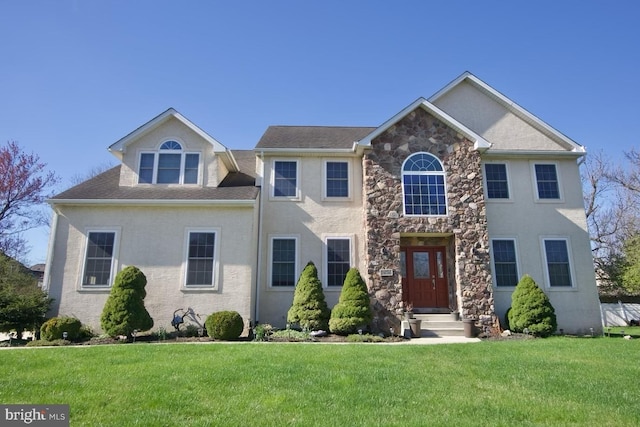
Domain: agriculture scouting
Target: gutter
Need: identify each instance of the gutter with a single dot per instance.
(259, 249)
(152, 202)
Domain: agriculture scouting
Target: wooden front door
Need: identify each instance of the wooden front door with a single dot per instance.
(424, 281)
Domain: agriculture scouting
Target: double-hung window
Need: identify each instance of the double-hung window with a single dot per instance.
(556, 253)
(338, 258)
(285, 178)
(496, 180)
(336, 179)
(283, 261)
(99, 259)
(547, 184)
(423, 186)
(505, 264)
(170, 165)
(201, 258)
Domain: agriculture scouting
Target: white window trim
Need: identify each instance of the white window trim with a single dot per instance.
(296, 274)
(444, 180)
(216, 259)
(325, 197)
(484, 182)
(272, 180)
(114, 260)
(545, 268)
(156, 156)
(534, 182)
(493, 265)
(325, 256)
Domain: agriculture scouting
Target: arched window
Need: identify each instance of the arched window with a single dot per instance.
(423, 185)
(170, 165)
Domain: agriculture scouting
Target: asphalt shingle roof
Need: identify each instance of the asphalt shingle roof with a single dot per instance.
(105, 186)
(312, 137)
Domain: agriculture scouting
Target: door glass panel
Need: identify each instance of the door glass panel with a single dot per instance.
(403, 264)
(421, 265)
(440, 264)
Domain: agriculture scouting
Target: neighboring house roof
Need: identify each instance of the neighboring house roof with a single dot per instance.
(479, 142)
(514, 108)
(120, 146)
(284, 138)
(105, 188)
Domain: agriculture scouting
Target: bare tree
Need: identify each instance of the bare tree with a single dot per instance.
(94, 171)
(24, 185)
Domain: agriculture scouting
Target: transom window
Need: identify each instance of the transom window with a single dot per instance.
(504, 262)
(98, 263)
(170, 165)
(337, 179)
(201, 258)
(423, 185)
(496, 180)
(558, 266)
(547, 181)
(338, 260)
(285, 178)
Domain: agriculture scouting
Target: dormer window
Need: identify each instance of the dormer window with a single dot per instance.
(170, 165)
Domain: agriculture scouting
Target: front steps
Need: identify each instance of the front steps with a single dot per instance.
(435, 325)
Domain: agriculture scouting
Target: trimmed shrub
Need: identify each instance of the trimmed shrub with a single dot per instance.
(224, 325)
(53, 329)
(124, 310)
(353, 310)
(531, 309)
(309, 308)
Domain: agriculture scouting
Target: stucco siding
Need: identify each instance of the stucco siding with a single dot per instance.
(492, 121)
(154, 240)
(529, 222)
(212, 170)
(310, 219)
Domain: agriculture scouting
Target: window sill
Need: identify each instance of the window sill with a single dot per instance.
(199, 290)
(95, 290)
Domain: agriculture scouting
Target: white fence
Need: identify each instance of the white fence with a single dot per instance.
(619, 314)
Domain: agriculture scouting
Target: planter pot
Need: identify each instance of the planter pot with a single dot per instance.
(455, 316)
(415, 325)
(408, 315)
(469, 328)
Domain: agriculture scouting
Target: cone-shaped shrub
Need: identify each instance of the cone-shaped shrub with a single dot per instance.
(309, 308)
(353, 310)
(531, 309)
(124, 311)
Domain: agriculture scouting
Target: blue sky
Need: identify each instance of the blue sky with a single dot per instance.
(76, 76)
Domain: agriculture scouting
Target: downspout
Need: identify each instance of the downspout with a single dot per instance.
(52, 234)
(256, 309)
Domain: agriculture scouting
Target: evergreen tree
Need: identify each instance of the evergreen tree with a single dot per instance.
(309, 308)
(124, 311)
(531, 309)
(23, 305)
(353, 310)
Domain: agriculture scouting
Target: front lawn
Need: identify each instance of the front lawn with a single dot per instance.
(555, 381)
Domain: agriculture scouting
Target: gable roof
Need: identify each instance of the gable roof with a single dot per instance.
(120, 146)
(237, 188)
(512, 107)
(310, 138)
(479, 142)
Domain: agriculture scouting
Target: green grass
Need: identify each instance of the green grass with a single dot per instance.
(556, 381)
(634, 331)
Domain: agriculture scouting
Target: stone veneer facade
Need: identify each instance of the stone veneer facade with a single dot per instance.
(463, 231)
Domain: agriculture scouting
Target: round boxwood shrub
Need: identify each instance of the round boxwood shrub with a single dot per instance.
(53, 329)
(531, 309)
(224, 325)
(353, 310)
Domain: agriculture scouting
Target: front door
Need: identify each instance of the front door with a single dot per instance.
(424, 279)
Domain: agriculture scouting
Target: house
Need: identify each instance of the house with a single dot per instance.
(444, 206)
